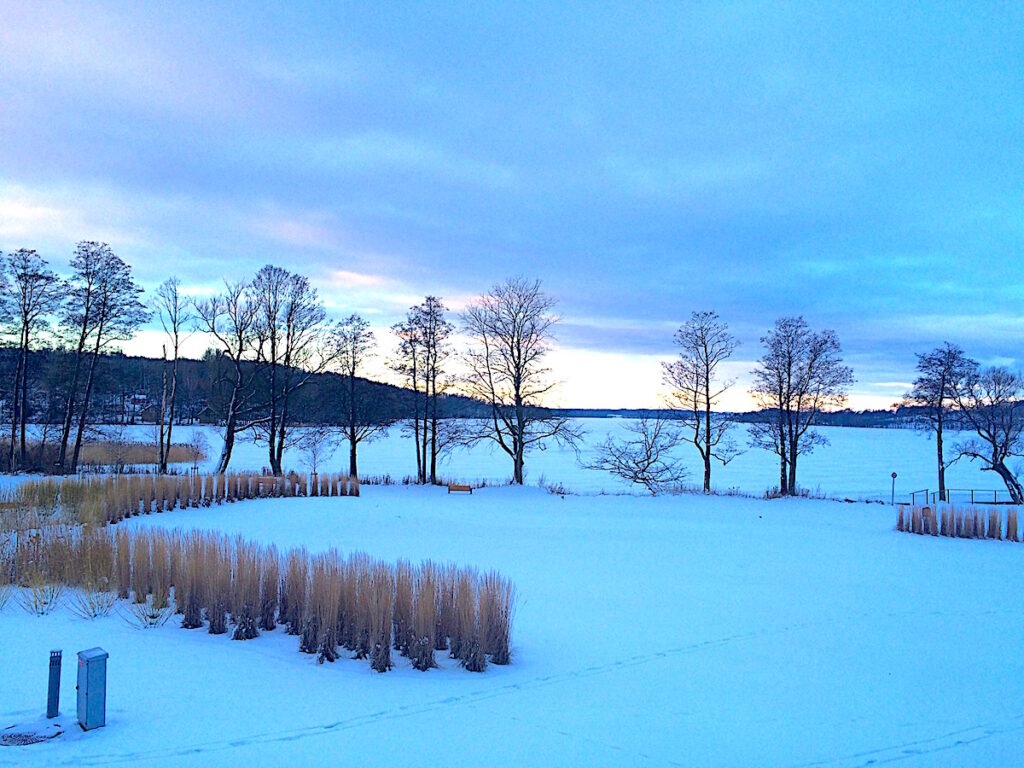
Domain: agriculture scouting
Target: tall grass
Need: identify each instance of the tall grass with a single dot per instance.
(328, 600)
(960, 522)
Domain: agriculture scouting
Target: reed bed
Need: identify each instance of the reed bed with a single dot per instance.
(960, 522)
(111, 499)
(366, 606)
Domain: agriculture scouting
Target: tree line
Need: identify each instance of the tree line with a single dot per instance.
(276, 362)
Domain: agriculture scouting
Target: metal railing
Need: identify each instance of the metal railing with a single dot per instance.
(961, 496)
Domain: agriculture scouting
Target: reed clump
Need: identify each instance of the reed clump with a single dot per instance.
(993, 522)
(330, 602)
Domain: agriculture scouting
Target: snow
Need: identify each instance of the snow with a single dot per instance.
(682, 630)
(671, 631)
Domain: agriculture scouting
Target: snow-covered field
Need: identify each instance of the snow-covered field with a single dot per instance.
(857, 464)
(683, 630)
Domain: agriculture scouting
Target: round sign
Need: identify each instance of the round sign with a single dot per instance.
(893, 475)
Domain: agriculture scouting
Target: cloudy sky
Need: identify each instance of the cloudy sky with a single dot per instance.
(861, 164)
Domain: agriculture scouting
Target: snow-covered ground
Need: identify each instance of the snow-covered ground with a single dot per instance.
(679, 630)
(857, 464)
(671, 631)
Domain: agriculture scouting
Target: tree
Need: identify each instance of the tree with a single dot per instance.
(34, 296)
(407, 363)
(694, 386)
(511, 331)
(352, 343)
(175, 316)
(800, 374)
(644, 458)
(289, 330)
(423, 351)
(103, 306)
(932, 396)
(316, 444)
(230, 318)
(990, 401)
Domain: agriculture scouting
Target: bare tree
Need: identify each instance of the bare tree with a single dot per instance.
(34, 296)
(197, 447)
(361, 421)
(941, 373)
(316, 444)
(408, 364)
(800, 375)
(511, 331)
(645, 457)
(176, 316)
(423, 350)
(992, 403)
(230, 318)
(290, 328)
(695, 388)
(103, 306)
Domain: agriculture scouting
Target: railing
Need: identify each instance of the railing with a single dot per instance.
(960, 496)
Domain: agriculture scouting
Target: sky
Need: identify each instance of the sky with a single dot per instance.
(860, 164)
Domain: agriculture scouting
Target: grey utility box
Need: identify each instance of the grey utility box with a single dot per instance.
(92, 688)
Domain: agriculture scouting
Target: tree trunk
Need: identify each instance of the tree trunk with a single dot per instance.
(230, 424)
(433, 432)
(1014, 487)
(14, 404)
(24, 401)
(225, 452)
(170, 405)
(83, 417)
(792, 467)
(783, 463)
(942, 464)
(277, 461)
(353, 469)
(162, 462)
(69, 409)
(517, 467)
(707, 430)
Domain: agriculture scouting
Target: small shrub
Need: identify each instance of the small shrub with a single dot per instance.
(92, 603)
(39, 597)
(147, 615)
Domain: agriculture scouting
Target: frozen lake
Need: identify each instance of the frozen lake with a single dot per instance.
(857, 463)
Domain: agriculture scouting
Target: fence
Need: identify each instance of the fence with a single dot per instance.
(960, 496)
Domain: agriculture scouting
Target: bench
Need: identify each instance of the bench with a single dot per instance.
(453, 488)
